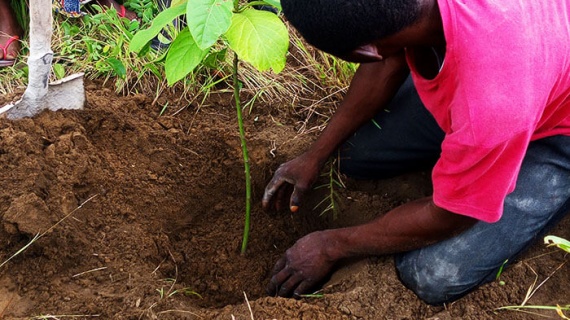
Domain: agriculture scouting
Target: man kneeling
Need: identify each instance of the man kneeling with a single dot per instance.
(477, 90)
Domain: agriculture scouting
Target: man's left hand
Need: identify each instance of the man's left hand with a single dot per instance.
(302, 267)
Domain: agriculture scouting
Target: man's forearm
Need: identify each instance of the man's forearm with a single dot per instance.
(372, 87)
(408, 227)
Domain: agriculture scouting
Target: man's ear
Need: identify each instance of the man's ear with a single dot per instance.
(368, 52)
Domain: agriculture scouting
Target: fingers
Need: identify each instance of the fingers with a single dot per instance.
(279, 276)
(280, 265)
(286, 188)
(270, 191)
(303, 288)
(288, 287)
(284, 280)
(293, 286)
(287, 284)
(282, 200)
(276, 194)
(296, 198)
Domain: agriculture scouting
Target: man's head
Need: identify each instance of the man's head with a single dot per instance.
(340, 26)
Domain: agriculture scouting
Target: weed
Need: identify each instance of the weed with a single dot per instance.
(529, 309)
(334, 182)
(145, 9)
(187, 292)
(500, 272)
(161, 292)
(313, 295)
(563, 244)
(39, 235)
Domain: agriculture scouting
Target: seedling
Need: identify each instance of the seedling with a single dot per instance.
(164, 293)
(257, 37)
(331, 202)
(501, 282)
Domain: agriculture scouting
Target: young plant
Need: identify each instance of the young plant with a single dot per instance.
(255, 36)
(331, 202)
(145, 9)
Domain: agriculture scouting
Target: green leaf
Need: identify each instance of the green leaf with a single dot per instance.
(141, 38)
(260, 38)
(177, 2)
(183, 56)
(118, 67)
(559, 242)
(208, 20)
(58, 70)
(213, 59)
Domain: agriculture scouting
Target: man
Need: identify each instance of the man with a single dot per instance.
(493, 121)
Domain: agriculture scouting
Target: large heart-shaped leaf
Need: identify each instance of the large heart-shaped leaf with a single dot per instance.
(208, 20)
(260, 38)
(183, 56)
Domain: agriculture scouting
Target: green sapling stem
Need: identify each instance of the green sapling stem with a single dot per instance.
(244, 153)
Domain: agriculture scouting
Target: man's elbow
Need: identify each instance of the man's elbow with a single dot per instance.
(455, 223)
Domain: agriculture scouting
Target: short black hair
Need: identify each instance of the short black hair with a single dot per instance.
(340, 26)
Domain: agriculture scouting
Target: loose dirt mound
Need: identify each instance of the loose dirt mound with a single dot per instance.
(141, 216)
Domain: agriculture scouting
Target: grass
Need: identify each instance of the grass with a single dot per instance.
(564, 245)
(171, 291)
(40, 235)
(500, 272)
(324, 76)
(331, 202)
(97, 45)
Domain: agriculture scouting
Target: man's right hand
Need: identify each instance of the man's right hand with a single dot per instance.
(372, 87)
(290, 183)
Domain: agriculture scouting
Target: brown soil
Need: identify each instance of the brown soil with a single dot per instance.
(141, 217)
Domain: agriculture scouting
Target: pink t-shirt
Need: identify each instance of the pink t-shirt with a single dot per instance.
(505, 81)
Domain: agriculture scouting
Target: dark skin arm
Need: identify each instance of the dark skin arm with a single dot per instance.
(408, 227)
(372, 87)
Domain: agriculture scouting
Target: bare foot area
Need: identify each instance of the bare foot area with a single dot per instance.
(9, 33)
(120, 9)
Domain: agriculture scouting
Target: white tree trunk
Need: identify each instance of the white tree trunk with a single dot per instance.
(68, 93)
(41, 56)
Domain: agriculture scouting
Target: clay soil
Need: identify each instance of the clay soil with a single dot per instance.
(141, 217)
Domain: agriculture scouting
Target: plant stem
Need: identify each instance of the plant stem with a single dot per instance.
(245, 155)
